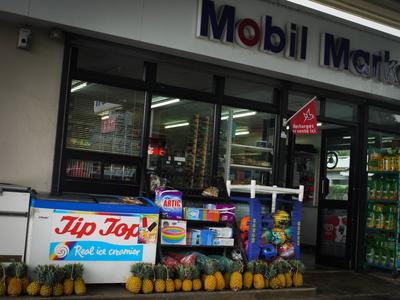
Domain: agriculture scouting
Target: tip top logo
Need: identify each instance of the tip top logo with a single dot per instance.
(61, 250)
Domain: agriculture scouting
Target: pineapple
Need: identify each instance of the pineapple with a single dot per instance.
(236, 282)
(17, 271)
(196, 279)
(210, 282)
(281, 268)
(287, 268)
(248, 275)
(33, 288)
(180, 276)
(169, 283)
(267, 276)
(48, 276)
(220, 279)
(79, 283)
(228, 273)
(187, 283)
(161, 275)
(68, 284)
(148, 276)
(298, 269)
(274, 281)
(58, 287)
(258, 278)
(134, 282)
(3, 289)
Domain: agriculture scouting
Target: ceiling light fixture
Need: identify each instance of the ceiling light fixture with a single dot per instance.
(176, 125)
(240, 115)
(78, 86)
(242, 132)
(319, 124)
(106, 117)
(165, 103)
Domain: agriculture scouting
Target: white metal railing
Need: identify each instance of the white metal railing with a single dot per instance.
(274, 190)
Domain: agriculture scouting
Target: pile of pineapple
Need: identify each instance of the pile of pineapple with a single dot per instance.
(51, 280)
(211, 275)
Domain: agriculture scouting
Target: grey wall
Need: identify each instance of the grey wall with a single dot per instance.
(29, 96)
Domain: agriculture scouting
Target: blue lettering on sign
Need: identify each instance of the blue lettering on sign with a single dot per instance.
(221, 28)
(292, 41)
(95, 251)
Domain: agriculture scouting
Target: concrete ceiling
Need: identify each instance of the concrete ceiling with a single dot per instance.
(386, 12)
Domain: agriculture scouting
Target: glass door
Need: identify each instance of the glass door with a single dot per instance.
(335, 198)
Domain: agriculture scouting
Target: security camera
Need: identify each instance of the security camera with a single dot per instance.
(24, 38)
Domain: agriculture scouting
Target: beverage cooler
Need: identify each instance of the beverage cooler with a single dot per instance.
(104, 233)
(14, 209)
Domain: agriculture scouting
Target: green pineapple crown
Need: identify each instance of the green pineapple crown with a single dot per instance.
(251, 266)
(59, 274)
(3, 273)
(297, 265)
(69, 271)
(148, 271)
(160, 271)
(270, 271)
(228, 266)
(78, 271)
(196, 273)
(259, 267)
(137, 270)
(180, 272)
(209, 267)
(237, 266)
(170, 273)
(17, 269)
(50, 275)
(189, 272)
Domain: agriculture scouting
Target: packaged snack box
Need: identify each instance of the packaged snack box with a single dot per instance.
(170, 203)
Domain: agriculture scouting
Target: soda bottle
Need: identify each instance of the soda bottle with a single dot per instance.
(370, 216)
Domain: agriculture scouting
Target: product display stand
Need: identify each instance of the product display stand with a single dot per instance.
(258, 195)
(383, 215)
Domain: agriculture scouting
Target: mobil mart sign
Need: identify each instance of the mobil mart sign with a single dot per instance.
(221, 25)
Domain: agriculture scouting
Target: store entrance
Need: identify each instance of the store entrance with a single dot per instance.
(334, 234)
(323, 163)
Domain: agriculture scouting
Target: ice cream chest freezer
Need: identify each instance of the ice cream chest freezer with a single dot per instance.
(14, 210)
(104, 233)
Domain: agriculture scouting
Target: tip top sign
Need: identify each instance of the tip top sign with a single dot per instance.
(335, 53)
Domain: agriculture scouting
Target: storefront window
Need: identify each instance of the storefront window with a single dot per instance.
(382, 199)
(185, 77)
(104, 119)
(110, 61)
(384, 117)
(246, 145)
(340, 110)
(249, 90)
(180, 141)
(297, 100)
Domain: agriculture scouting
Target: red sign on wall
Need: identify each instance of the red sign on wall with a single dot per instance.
(108, 125)
(304, 121)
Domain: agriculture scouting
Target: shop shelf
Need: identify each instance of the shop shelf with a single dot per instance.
(381, 266)
(376, 230)
(264, 149)
(251, 167)
(384, 172)
(383, 201)
(208, 223)
(195, 246)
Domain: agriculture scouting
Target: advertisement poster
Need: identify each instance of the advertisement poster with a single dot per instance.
(91, 236)
(304, 121)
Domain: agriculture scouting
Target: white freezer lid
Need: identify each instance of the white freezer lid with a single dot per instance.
(14, 198)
